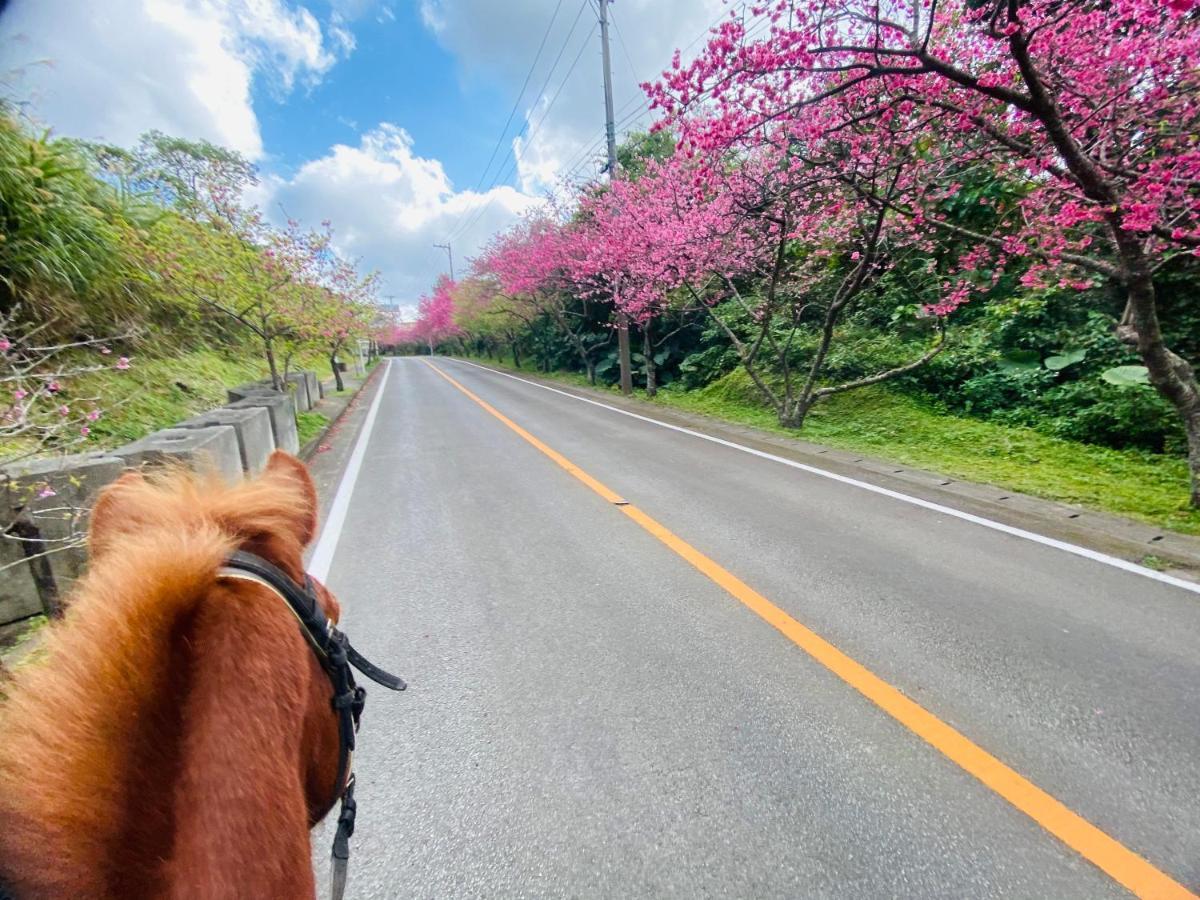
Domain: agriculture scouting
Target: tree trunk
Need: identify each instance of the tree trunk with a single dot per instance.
(1171, 374)
(276, 381)
(591, 370)
(337, 373)
(793, 413)
(1192, 424)
(648, 352)
(516, 355)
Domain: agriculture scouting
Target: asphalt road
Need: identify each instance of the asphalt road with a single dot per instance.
(591, 716)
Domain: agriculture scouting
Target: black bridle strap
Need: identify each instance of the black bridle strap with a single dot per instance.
(336, 656)
(302, 601)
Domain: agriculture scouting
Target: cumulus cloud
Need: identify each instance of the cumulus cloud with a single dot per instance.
(188, 67)
(390, 206)
(498, 40)
(113, 70)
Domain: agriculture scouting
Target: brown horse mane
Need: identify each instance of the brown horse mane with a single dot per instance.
(89, 735)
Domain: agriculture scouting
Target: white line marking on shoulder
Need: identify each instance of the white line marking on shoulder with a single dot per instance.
(322, 557)
(1075, 549)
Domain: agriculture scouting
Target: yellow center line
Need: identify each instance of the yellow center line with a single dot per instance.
(1111, 856)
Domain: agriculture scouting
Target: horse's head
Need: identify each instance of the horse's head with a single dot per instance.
(274, 517)
(180, 736)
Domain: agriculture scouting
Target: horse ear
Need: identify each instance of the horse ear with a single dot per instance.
(114, 512)
(285, 469)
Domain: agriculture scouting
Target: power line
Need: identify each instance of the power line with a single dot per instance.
(498, 177)
(518, 156)
(579, 159)
(520, 94)
(624, 49)
(580, 156)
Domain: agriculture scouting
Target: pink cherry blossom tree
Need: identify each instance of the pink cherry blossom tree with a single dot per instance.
(44, 411)
(537, 266)
(435, 315)
(773, 234)
(1089, 108)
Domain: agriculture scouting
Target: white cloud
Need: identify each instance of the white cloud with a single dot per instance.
(390, 206)
(498, 40)
(187, 67)
(343, 37)
(113, 70)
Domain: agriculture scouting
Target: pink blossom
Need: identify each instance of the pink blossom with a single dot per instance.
(47, 491)
(84, 430)
(123, 363)
(64, 410)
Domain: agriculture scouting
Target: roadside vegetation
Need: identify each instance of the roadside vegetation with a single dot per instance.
(914, 431)
(982, 257)
(310, 424)
(136, 284)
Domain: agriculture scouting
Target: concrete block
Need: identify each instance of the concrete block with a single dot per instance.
(58, 521)
(282, 410)
(252, 424)
(298, 386)
(19, 595)
(242, 391)
(314, 387)
(215, 447)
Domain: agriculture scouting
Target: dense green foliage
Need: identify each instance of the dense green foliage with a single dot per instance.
(1034, 361)
(136, 283)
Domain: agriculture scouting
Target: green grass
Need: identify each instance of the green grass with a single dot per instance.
(157, 393)
(310, 424)
(18, 634)
(1141, 485)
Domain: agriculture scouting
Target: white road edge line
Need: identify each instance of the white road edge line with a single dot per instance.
(1075, 549)
(322, 557)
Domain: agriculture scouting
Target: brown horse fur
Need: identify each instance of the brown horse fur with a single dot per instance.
(178, 741)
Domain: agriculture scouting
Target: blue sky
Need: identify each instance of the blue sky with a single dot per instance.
(379, 115)
(397, 73)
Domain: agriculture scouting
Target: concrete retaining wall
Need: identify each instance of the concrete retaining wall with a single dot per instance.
(298, 385)
(281, 409)
(251, 426)
(214, 447)
(44, 504)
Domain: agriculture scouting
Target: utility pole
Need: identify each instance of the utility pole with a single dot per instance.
(610, 131)
(449, 253)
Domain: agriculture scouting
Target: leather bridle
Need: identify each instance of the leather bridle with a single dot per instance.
(336, 656)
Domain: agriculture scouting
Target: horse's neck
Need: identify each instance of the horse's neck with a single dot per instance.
(242, 813)
(158, 748)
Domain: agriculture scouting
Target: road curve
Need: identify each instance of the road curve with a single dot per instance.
(591, 716)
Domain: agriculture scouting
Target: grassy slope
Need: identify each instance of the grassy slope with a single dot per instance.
(157, 393)
(1145, 486)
